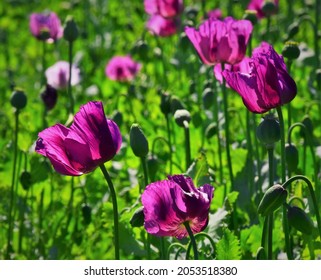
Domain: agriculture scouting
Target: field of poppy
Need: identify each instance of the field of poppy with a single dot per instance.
(160, 129)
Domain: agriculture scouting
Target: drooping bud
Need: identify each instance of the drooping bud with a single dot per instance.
(137, 220)
(176, 104)
(273, 198)
(208, 98)
(138, 141)
(211, 130)
(25, 180)
(182, 116)
(70, 30)
(165, 105)
(300, 220)
(49, 97)
(268, 131)
(269, 8)
(308, 127)
(251, 15)
(291, 157)
(18, 99)
(293, 29)
(86, 213)
(291, 50)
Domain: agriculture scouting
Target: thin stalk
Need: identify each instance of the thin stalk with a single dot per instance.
(43, 64)
(192, 238)
(187, 145)
(12, 194)
(197, 236)
(270, 216)
(250, 151)
(169, 144)
(71, 99)
(115, 208)
(173, 245)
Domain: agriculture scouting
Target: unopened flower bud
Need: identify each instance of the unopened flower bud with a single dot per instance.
(291, 157)
(86, 213)
(182, 116)
(176, 104)
(269, 8)
(268, 131)
(25, 180)
(300, 220)
(251, 15)
(165, 105)
(18, 99)
(273, 198)
(137, 220)
(70, 31)
(117, 117)
(293, 29)
(208, 98)
(49, 97)
(308, 127)
(291, 50)
(138, 141)
(211, 130)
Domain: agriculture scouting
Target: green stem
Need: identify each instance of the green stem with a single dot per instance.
(12, 194)
(250, 151)
(193, 241)
(169, 144)
(196, 236)
(187, 145)
(270, 216)
(71, 99)
(115, 209)
(43, 77)
(173, 245)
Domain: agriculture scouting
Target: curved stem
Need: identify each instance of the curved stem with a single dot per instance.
(193, 241)
(173, 245)
(200, 234)
(115, 208)
(187, 145)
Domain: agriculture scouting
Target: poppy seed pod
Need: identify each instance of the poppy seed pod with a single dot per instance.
(268, 131)
(300, 220)
(18, 99)
(273, 198)
(138, 141)
(70, 31)
(182, 116)
(137, 220)
(291, 157)
(176, 104)
(25, 180)
(251, 15)
(291, 50)
(208, 98)
(308, 127)
(269, 8)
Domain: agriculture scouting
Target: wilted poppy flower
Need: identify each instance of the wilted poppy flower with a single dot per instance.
(164, 8)
(168, 204)
(161, 26)
(58, 75)
(122, 68)
(45, 26)
(257, 5)
(219, 41)
(49, 97)
(91, 140)
(267, 85)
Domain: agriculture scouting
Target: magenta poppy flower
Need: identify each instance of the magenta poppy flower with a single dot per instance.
(58, 75)
(219, 41)
(267, 85)
(48, 23)
(257, 5)
(161, 26)
(215, 14)
(122, 68)
(168, 204)
(164, 8)
(91, 140)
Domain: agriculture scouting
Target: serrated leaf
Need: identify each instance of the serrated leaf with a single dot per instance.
(228, 248)
(199, 171)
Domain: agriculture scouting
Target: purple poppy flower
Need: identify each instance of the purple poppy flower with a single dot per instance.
(161, 26)
(91, 140)
(215, 14)
(48, 23)
(257, 5)
(267, 85)
(168, 204)
(164, 8)
(219, 41)
(122, 68)
(58, 75)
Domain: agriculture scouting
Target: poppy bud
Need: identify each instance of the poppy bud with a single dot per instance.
(86, 213)
(117, 117)
(152, 164)
(18, 99)
(49, 97)
(70, 30)
(251, 15)
(291, 157)
(300, 220)
(165, 105)
(181, 116)
(293, 29)
(268, 131)
(176, 104)
(273, 198)
(137, 220)
(291, 50)
(138, 141)
(184, 41)
(208, 98)
(308, 127)
(25, 180)
(211, 130)
(269, 8)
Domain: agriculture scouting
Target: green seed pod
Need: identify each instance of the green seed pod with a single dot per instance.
(138, 141)
(268, 131)
(300, 220)
(25, 180)
(176, 104)
(86, 213)
(181, 116)
(293, 29)
(152, 163)
(165, 105)
(211, 130)
(251, 15)
(18, 99)
(273, 198)
(269, 8)
(70, 30)
(291, 157)
(137, 220)
(208, 98)
(291, 50)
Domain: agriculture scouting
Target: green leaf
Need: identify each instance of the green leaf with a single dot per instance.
(199, 171)
(228, 248)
